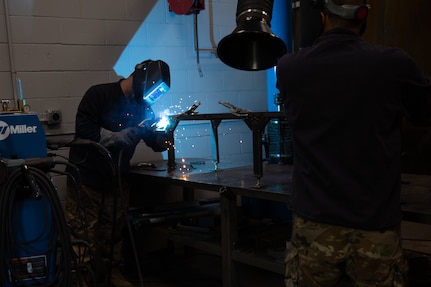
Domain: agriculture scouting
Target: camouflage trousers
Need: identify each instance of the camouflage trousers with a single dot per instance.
(322, 255)
(90, 216)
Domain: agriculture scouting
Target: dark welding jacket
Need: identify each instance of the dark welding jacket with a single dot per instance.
(105, 106)
(345, 100)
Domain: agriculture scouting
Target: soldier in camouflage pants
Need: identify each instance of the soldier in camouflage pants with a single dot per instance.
(345, 102)
(321, 255)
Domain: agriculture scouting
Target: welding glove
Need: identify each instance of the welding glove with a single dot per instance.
(127, 137)
(158, 141)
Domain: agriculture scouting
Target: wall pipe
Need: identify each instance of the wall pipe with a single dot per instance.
(10, 48)
(310, 23)
(281, 25)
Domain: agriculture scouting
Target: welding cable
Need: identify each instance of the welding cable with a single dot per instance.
(57, 144)
(81, 241)
(86, 143)
(75, 182)
(20, 182)
(116, 187)
(107, 155)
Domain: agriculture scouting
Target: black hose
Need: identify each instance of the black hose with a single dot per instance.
(31, 183)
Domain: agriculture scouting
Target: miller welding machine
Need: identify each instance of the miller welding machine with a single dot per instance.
(32, 220)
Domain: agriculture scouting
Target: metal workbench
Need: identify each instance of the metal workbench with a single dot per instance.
(416, 198)
(229, 183)
(255, 180)
(232, 180)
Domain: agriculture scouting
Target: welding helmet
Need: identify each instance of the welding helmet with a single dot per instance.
(151, 80)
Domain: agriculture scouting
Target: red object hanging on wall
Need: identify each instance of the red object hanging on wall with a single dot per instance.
(186, 7)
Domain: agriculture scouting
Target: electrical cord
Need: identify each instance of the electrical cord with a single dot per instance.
(28, 182)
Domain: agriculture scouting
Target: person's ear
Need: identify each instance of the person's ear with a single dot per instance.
(363, 28)
(322, 18)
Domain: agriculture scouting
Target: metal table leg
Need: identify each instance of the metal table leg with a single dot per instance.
(228, 221)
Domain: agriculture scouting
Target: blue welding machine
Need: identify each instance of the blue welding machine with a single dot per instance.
(30, 252)
(21, 136)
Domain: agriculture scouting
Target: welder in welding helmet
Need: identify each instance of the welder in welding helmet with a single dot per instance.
(115, 116)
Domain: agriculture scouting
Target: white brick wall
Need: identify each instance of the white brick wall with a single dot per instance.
(61, 47)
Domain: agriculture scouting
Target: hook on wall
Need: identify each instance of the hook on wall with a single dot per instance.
(188, 7)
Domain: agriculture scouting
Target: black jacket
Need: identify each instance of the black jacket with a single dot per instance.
(105, 106)
(345, 99)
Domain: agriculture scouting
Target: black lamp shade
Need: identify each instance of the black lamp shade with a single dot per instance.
(252, 46)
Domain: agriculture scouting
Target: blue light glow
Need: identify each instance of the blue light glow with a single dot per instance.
(152, 96)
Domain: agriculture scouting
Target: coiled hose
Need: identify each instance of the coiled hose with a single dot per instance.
(32, 183)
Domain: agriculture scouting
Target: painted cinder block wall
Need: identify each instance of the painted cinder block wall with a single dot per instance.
(59, 48)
